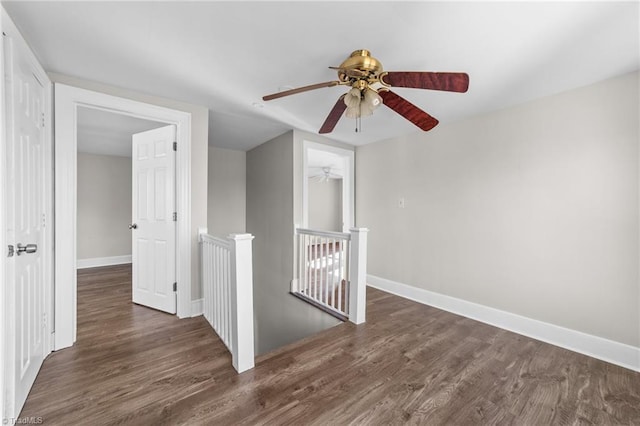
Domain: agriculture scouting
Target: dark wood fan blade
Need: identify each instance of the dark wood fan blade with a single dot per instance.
(300, 90)
(408, 110)
(447, 81)
(334, 116)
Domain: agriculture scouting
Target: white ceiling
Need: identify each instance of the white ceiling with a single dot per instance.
(108, 133)
(317, 160)
(227, 55)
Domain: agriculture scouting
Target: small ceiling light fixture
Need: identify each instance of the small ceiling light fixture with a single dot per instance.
(326, 174)
(361, 102)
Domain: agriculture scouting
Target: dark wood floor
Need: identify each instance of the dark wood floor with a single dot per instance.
(409, 363)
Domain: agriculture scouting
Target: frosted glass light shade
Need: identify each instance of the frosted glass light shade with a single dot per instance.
(372, 98)
(361, 105)
(352, 112)
(353, 98)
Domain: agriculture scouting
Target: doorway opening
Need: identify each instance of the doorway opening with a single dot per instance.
(104, 194)
(71, 103)
(107, 203)
(328, 188)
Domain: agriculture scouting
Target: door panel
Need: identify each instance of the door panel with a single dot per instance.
(25, 213)
(154, 237)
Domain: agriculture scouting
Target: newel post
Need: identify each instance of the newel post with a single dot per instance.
(241, 302)
(358, 275)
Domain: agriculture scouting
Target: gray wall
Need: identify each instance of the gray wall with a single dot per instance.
(104, 206)
(226, 201)
(325, 204)
(280, 317)
(531, 210)
(199, 148)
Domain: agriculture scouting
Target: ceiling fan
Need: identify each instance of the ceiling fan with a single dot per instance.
(370, 87)
(324, 174)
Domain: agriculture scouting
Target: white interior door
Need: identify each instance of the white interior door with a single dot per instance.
(154, 219)
(25, 210)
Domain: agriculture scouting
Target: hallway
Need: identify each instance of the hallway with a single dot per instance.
(128, 360)
(409, 363)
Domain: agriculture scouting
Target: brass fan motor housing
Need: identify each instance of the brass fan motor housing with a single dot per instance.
(362, 60)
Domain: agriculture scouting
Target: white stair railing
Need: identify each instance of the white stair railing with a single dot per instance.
(227, 283)
(332, 268)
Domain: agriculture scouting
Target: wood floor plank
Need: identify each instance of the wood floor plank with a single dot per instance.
(409, 364)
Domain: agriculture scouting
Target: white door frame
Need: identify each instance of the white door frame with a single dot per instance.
(67, 101)
(7, 310)
(348, 183)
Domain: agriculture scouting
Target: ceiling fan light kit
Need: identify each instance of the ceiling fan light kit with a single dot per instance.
(361, 103)
(326, 174)
(370, 88)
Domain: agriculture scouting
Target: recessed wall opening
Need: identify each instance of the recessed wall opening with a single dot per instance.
(328, 188)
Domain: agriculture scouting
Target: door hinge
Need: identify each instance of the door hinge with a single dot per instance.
(175, 146)
(175, 286)
(43, 119)
(175, 216)
(44, 320)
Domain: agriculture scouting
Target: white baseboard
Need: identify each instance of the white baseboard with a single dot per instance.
(102, 261)
(597, 347)
(197, 307)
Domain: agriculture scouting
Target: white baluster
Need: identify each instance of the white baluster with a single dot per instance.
(210, 282)
(218, 294)
(309, 260)
(227, 264)
(333, 272)
(347, 294)
(340, 275)
(326, 271)
(315, 268)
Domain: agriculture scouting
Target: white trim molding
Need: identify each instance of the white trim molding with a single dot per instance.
(95, 262)
(197, 307)
(621, 354)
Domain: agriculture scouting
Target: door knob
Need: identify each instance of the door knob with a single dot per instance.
(29, 248)
(133, 226)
